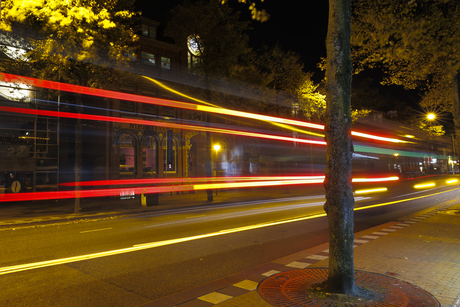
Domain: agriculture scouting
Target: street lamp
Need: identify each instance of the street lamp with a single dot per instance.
(216, 148)
(431, 116)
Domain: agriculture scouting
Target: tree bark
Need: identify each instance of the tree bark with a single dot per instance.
(339, 194)
(456, 114)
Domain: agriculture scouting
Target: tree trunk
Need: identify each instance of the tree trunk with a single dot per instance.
(456, 114)
(339, 194)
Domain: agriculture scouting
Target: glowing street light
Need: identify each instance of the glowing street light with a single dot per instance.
(216, 148)
(431, 116)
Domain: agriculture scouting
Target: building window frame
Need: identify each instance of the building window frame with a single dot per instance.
(149, 31)
(148, 58)
(166, 63)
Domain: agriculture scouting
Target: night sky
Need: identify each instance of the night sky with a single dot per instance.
(294, 28)
(291, 25)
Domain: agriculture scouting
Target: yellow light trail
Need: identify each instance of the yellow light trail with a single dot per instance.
(258, 116)
(138, 247)
(380, 138)
(452, 181)
(371, 191)
(425, 185)
(166, 102)
(297, 129)
(400, 201)
(178, 93)
(253, 184)
(374, 179)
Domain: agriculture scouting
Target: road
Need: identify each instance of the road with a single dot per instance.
(130, 261)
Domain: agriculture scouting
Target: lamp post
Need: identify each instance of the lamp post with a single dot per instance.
(216, 148)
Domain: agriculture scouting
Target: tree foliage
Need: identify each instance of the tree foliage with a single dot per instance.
(217, 28)
(416, 43)
(256, 14)
(281, 70)
(79, 41)
(311, 102)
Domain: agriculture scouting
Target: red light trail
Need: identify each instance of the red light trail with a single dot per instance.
(229, 182)
(156, 124)
(71, 88)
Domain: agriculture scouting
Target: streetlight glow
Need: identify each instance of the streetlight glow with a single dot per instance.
(431, 116)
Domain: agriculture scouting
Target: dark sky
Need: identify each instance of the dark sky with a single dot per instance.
(292, 25)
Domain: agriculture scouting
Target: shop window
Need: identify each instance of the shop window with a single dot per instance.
(127, 155)
(149, 156)
(148, 59)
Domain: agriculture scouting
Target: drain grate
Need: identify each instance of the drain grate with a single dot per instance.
(290, 289)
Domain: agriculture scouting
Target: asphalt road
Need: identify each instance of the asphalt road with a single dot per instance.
(130, 261)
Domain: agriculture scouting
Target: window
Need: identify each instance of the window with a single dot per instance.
(149, 156)
(165, 63)
(149, 31)
(149, 59)
(195, 48)
(127, 155)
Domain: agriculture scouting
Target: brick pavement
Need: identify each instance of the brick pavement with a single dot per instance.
(422, 249)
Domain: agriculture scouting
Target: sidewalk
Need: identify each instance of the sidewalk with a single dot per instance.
(422, 249)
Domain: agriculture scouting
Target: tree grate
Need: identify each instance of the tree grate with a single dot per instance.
(291, 289)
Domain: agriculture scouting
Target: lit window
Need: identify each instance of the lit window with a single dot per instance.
(149, 31)
(165, 63)
(127, 155)
(148, 59)
(145, 30)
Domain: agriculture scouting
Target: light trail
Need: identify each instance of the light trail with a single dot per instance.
(392, 178)
(376, 190)
(424, 185)
(179, 93)
(317, 179)
(185, 185)
(150, 245)
(375, 137)
(187, 180)
(145, 190)
(156, 124)
(71, 88)
(400, 201)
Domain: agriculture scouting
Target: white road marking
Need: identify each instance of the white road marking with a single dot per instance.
(96, 230)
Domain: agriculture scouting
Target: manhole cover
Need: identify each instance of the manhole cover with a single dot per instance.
(291, 289)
